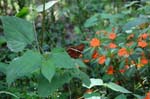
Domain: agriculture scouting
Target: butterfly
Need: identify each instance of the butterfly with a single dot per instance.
(75, 51)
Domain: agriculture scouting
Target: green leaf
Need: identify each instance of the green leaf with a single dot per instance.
(92, 21)
(89, 96)
(122, 96)
(122, 64)
(62, 60)
(81, 75)
(3, 67)
(23, 12)
(138, 96)
(131, 4)
(107, 62)
(46, 88)
(94, 82)
(135, 22)
(18, 32)
(96, 97)
(131, 71)
(116, 87)
(23, 66)
(47, 5)
(48, 69)
(78, 62)
(2, 40)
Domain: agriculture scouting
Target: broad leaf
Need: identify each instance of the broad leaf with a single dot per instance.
(62, 60)
(23, 66)
(2, 40)
(23, 12)
(134, 23)
(94, 82)
(48, 69)
(96, 97)
(46, 88)
(47, 5)
(92, 21)
(116, 87)
(18, 32)
(81, 75)
(79, 63)
(91, 95)
(3, 67)
(138, 96)
(122, 96)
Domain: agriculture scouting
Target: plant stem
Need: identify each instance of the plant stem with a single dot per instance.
(9, 93)
(35, 36)
(43, 23)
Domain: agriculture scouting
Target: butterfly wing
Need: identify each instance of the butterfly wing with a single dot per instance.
(75, 51)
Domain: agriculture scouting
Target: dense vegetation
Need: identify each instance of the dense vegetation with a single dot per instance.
(74, 49)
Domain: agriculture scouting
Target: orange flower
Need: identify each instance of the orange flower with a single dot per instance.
(144, 61)
(112, 36)
(112, 45)
(142, 44)
(122, 52)
(95, 55)
(147, 95)
(102, 59)
(144, 36)
(110, 70)
(94, 42)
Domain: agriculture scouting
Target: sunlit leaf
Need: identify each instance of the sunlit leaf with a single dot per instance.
(47, 5)
(116, 87)
(94, 82)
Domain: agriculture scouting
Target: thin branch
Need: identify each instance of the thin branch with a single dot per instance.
(9, 93)
(43, 23)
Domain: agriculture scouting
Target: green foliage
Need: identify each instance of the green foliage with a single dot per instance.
(116, 87)
(23, 12)
(92, 21)
(3, 67)
(135, 22)
(18, 33)
(23, 66)
(64, 60)
(122, 96)
(46, 88)
(47, 6)
(48, 69)
(34, 61)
